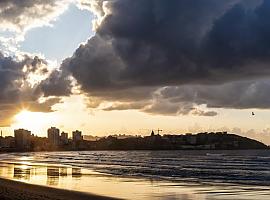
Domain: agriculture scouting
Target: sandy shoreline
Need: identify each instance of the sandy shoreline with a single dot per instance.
(13, 190)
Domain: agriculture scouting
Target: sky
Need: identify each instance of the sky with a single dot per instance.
(129, 67)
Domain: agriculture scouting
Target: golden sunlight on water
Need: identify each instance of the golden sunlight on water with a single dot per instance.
(86, 180)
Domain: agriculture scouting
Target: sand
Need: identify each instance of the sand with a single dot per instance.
(13, 190)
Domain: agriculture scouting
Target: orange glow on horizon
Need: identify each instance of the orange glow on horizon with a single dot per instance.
(32, 121)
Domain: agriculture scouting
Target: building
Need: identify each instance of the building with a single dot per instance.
(64, 138)
(152, 133)
(22, 139)
(77, 136)
(54, 136)
(7, 142)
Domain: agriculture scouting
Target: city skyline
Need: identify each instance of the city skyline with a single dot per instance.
(57, 140)
(134, 99)
(56, 135)
(55, 77)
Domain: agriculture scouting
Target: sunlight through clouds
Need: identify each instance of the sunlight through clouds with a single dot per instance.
(122, 60)
(37, 121)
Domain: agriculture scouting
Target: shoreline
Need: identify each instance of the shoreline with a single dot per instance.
(119, 150)
(166, 142)
(15, 190)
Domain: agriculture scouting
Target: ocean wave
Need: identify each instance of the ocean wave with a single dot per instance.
(240, 167)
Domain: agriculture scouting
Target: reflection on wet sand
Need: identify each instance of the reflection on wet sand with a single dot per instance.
(63, 171)
(22, 172)
(76, 172)
(52, 176)
(81, 179)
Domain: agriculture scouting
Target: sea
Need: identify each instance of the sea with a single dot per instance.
(145, 175)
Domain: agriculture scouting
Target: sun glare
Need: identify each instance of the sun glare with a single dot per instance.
(33, 121)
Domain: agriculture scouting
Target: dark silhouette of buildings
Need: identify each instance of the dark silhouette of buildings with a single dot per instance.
(6, 143)
(54, 136)
(22, 139)
(77, 136)
(64, 138)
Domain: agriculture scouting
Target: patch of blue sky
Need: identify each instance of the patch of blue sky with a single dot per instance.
(60, 40)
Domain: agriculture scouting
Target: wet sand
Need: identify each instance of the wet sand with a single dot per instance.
(13, 190)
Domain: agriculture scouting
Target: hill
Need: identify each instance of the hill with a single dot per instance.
(200, 141)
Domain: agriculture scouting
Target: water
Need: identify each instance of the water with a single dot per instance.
(147, 174)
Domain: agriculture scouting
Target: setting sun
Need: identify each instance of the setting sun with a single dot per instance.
(136, 100)
(34, 121)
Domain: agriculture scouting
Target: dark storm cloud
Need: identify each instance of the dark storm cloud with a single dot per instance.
(15, 91)
(14, 73)
(144, 45)
(164, 107)
(11, 78)
(161, 107)
(56, 84)
(185, 99)
(240, 95)
(239, 43)
(158, 43)
(157, 103)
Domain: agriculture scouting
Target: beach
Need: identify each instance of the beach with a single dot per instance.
(136, 175)
(14, 190)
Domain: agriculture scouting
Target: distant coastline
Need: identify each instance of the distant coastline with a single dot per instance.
(199, 141)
